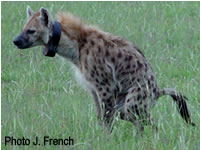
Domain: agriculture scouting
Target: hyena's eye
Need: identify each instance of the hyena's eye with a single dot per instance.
(30, 31)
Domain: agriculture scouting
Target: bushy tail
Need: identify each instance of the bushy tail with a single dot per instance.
(180, 102)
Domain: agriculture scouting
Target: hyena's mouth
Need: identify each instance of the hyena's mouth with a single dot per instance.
(24, 46)
(21, 44)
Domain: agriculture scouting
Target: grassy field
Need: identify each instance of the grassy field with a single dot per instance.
(40, 96)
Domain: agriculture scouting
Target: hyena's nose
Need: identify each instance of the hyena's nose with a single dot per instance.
(17, 42)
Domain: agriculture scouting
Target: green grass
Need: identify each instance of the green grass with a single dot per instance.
(40, 96)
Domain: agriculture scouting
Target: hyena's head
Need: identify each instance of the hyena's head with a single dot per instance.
(36, 31)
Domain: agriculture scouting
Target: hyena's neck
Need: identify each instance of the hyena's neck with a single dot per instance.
(73, 37)
(68, 49)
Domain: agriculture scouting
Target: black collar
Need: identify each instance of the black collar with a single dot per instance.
(51, 48)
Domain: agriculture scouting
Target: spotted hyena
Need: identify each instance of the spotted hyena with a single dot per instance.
(115, 71)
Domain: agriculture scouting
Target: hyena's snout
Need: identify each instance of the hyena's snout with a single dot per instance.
(17, 41)
(22, 41)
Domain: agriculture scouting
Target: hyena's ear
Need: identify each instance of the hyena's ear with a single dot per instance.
(45, 17)
(29, 12)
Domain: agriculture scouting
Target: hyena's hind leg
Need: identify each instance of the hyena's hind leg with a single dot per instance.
(153, 123)
(135, 110)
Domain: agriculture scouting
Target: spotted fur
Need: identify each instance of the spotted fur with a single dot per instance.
(115, 71)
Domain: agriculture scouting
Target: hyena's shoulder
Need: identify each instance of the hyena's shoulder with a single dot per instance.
(100, 46)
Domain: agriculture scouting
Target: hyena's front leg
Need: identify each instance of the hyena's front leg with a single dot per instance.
(97, 104)
(108, 111)
(104, 107)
